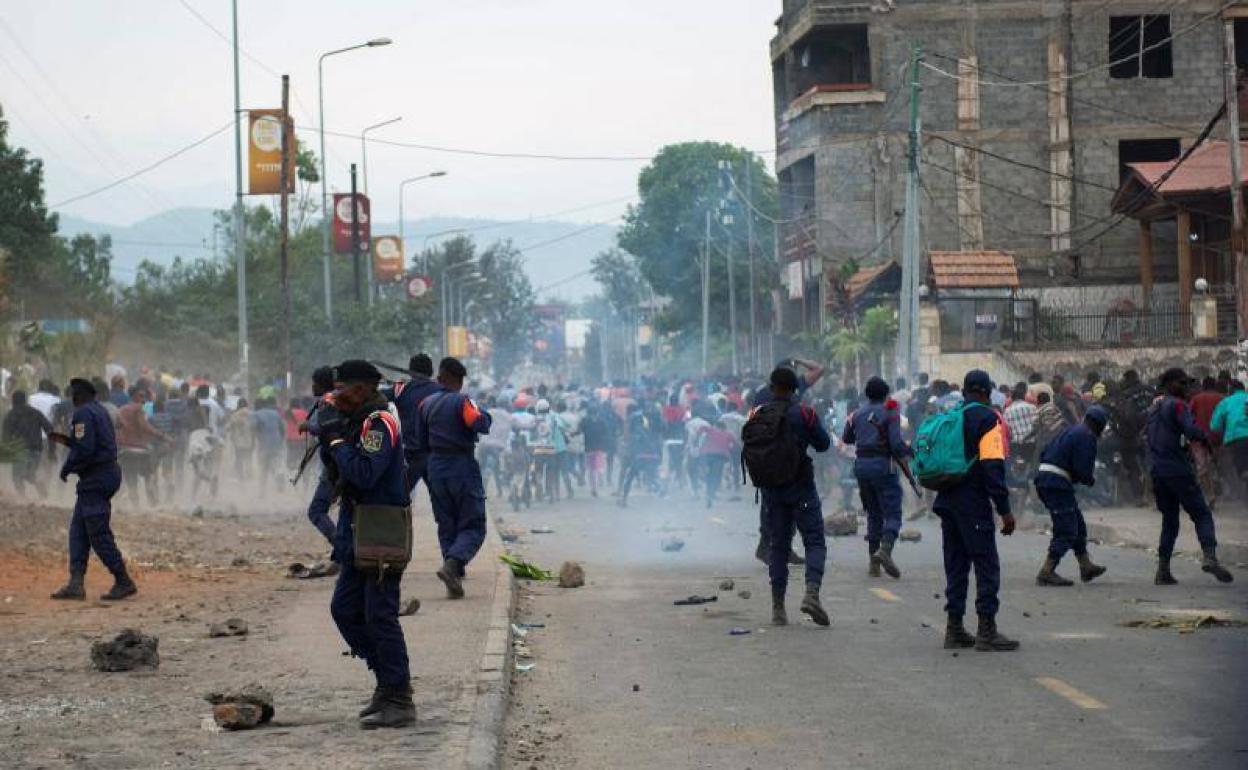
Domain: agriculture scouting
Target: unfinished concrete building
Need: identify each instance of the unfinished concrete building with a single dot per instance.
(1031, 112)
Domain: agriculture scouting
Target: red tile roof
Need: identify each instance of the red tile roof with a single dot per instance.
(1207, 170)
(973, 270)
(862, 280)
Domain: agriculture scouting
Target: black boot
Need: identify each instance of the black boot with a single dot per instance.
(761, 552)
(73, 589)
(450, 574)
(812, 607)
(1048, 574)
(396, 709)
(374, 703)
(885, 556)
(873, 565)
(1088, 570)
(779, 617)
(123, 586)
(1210, 564)
(989, 639)
(794, 559)
(1164, 576)
(956, 635)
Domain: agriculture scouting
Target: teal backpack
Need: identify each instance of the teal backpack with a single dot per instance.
(940, 459)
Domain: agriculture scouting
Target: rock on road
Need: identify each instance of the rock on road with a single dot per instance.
(625, 679)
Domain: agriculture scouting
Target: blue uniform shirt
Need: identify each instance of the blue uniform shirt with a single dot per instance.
(449, 423)
(1169, 423)
(1074, 451)
(982, 436)
(875, 429)
(407, 397)
(370, 467)
(94, 443)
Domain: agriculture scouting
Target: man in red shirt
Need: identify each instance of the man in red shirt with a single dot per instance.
(135, 450)
(1203, 404)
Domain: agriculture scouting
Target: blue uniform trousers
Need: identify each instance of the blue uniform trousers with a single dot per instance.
(969, 539)
(366, 611)
(89, 526)
(1173, 492)
(1070, 531)
(458, 498)
(794, 508)
(415, 470)
(881, 499)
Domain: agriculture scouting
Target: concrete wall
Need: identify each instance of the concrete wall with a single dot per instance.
(860, 148)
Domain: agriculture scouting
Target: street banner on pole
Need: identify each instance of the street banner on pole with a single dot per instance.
(418, 286)
(264, 153)
(342, 221)
(457, 341)
(387, 258)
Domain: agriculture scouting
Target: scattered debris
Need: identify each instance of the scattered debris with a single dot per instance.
(672, 544)
(523, 569)
(840, 525)
(411, 607)
(509, 535)
(738, 631)
(128, 651)
(209, 725)
(695, 599)
(240, 561)
(231, 627)
(529, 626)
(241, 709)
(910, 535)
(519, 630)
(727, 585)
(571, 575)
(541, 531)
(320, 569)
(523, 667)
(1185, 625)
(744, 594)
(636, 688)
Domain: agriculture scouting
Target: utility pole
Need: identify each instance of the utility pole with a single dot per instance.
(749, 245)
(240, 233)
(283, 250)
(355, 237)
(732, 301)
(706, 289)
(1237, 195)
(908, 331)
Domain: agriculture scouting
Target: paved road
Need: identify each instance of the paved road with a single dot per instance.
(625, 679)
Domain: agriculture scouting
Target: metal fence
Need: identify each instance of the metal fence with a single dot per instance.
(969, 325)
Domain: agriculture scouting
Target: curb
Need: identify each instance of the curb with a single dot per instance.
(494, 673)
(1233, 553)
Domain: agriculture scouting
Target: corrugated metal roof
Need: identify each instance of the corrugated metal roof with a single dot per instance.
(1207, 170)
(973, 270)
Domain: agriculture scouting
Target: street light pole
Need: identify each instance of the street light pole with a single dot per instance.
(326, 222)
(364, 168)
(404, 183)
(240, 255)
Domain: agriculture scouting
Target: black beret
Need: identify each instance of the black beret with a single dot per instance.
(356, 370)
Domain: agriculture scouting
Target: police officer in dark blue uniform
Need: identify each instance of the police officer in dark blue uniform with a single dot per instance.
(366, 450)
(447, 428)
(967, 530)
(407, 395)
(93, 457)
(796, 506)
(1170, 426)
(1069, 459)
(875, 430)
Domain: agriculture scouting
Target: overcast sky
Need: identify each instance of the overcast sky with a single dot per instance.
(100, 89)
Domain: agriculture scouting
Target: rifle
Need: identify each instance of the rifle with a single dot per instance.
(394, 368)
(888, 446)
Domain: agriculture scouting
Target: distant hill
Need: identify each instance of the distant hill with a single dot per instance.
(556, 253)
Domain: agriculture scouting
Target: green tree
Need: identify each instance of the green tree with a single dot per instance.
(27, 231)
(665, 231)
(879, 333)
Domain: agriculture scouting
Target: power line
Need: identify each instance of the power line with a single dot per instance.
(1023, 164)
(565, 236)
(140, 172)
(482, 153)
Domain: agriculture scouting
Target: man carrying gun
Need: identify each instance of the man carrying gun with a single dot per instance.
(875, 430)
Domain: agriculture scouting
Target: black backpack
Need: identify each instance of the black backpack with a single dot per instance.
(769, 451)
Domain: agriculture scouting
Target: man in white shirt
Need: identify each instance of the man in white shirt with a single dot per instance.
(45, 398)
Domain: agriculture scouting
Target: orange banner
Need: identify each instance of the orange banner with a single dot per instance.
(264, 152)
(387, 258)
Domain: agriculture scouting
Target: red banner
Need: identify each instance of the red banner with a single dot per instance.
(342, 223)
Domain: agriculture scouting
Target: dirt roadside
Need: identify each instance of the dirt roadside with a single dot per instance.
(194, 570)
